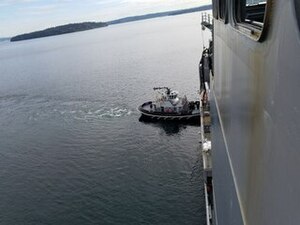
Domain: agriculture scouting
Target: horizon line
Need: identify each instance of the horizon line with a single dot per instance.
(113, 22)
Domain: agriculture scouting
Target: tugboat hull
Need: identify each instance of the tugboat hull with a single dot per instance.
(147, 112)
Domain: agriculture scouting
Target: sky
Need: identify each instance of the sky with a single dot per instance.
(23, 16)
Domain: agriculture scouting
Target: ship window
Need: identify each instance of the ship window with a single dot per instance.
(215, 8)
(222, 9)
(297, 8)
(251, 14)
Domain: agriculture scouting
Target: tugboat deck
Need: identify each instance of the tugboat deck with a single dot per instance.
(168, 106)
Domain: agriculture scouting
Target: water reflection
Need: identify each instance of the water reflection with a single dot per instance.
(169, 127)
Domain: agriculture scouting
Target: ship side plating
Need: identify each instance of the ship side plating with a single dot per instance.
(255, 112)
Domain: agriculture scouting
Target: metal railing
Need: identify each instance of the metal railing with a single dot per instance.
(206, 20)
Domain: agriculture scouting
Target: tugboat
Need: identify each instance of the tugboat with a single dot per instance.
(168, 106)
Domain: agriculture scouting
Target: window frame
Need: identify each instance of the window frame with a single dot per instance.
(297, 12)
(215, 9)
(223, 10)
(255, 30)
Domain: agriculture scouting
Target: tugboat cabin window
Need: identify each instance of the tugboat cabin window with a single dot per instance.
(251, 14)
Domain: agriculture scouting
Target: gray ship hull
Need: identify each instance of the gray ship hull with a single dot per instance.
(255, 120)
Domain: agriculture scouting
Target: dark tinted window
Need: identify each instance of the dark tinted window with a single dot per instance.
(251, 11)
(215, 8)
(297, 8)
(222, 9)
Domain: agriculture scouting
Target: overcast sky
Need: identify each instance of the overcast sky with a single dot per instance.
(21, 16)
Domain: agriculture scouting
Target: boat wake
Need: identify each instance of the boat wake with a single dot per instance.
(37, 108)
(82, 114)
(103, 113)
(79, 110)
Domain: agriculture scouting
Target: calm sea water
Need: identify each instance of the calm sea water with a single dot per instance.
(72, 149)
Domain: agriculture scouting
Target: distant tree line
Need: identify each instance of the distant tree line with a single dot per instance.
(64, 29)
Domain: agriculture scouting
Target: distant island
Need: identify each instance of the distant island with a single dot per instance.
(75, 27)
(64, 29)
